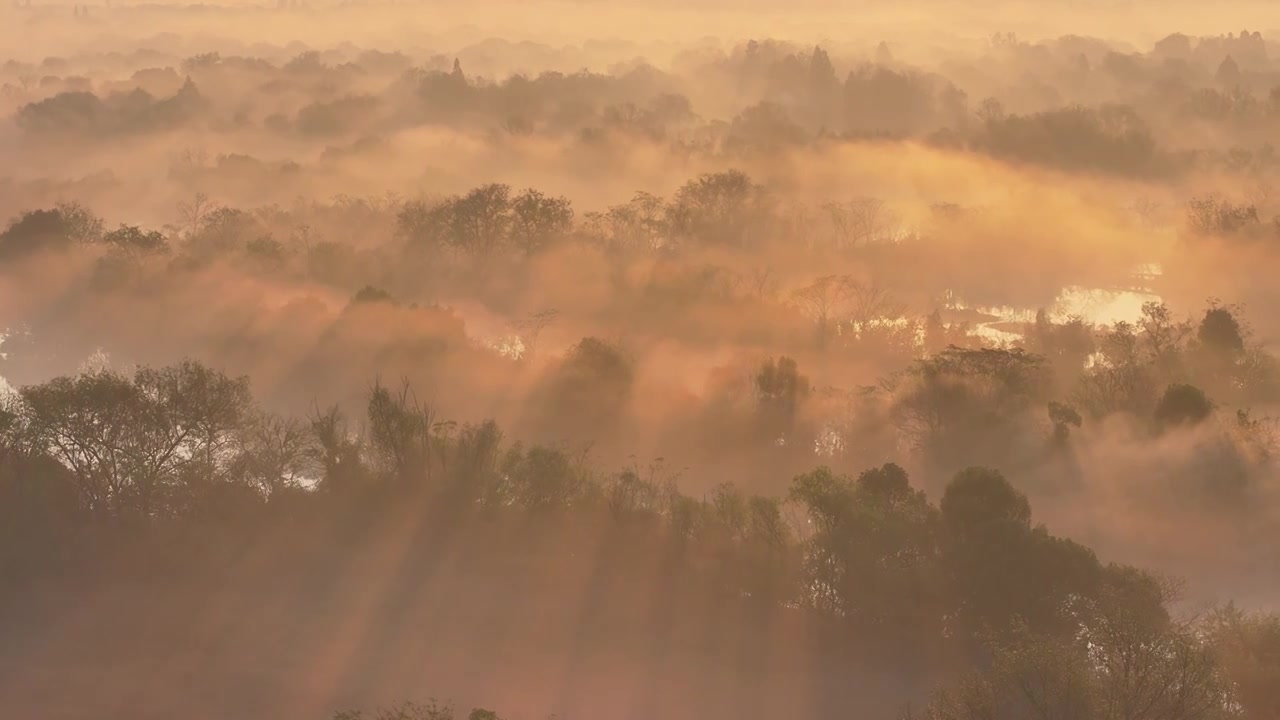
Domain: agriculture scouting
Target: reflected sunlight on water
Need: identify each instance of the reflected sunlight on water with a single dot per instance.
(1103, 307)
(1096, 306)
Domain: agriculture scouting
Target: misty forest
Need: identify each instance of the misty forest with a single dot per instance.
(431, 360)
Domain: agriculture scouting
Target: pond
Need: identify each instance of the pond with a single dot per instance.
(1097, 306)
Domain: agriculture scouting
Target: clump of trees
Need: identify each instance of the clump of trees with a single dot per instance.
(1046, 626)
(54, 229)
(1109, 138)
(79, 112)
(488, 220)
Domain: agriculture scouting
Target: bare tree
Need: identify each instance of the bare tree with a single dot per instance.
(1154, 673)
(272, 451)
(530, 327)
(400, 430)
(763, 282)
(641, 224)
(870, 302)
(824, 301)
(834, 299)
(859, 222)
(194, 212)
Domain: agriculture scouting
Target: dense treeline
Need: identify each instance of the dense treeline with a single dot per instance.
(689, 268)
(1082, 105)
(969, 581)
(890, 258)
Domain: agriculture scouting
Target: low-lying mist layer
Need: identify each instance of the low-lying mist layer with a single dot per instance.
(647, 377)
